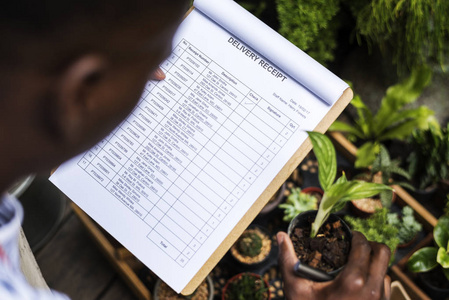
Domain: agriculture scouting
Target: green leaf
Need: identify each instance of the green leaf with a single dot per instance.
(423, 260)
(354, 190)
(344, 191)
(342, 179)
(417, 118)
(441, 232)
(366, 154)
(344, 127)
(327, 158)
(443, 257)
(324, 210)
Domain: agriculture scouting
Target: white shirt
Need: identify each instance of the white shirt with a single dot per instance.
(13, 284)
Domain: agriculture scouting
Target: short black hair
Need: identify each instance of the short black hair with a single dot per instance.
(57, 23)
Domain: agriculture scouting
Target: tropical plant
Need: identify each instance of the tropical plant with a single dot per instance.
(392, 120)
(429, 160)
(384, 168)
(336, 191)
(377, 229)
(428, 258)
(246, 287)
(296, 203)
(407, 225)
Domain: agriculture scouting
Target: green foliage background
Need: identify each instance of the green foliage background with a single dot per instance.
(412, 32)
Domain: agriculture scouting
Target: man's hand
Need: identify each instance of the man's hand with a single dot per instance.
(363, 277)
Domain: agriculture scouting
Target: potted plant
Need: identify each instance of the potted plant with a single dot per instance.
(205, 291)
(407, 225)
(252, 248)
(392, 120)
(246, 286)
(314, 191)
(429, 161)
(298, 202)
(377, 229)
(382, 171)
(309, 231)
(433, 262)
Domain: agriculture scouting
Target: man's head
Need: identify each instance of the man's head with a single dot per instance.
(71, 70)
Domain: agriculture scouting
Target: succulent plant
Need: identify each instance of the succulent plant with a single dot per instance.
(298, 202)
(249, 244)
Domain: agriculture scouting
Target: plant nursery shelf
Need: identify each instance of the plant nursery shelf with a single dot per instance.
(130, 269)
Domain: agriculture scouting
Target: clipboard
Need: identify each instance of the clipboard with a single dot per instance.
(257, 206)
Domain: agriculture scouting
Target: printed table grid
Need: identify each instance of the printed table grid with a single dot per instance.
(189, 151)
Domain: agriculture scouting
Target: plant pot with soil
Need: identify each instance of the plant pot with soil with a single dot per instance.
(252, 249)
(205, 291)
(328, 250)
(248, 286)
(433, 262)
(336, 193)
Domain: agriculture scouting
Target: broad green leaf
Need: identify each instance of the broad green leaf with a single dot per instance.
(441, 232)
(408, 90)
(397, 96)
(354, 190)
(443, 257)
(364, 123)
(423, 260)
(341, 179)
(343, 192)
(419, 118)
(327, 158)
(323, 213)
(366, 154)
(344, 127)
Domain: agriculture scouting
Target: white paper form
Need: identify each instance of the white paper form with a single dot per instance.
(173, 179)
(274, 47)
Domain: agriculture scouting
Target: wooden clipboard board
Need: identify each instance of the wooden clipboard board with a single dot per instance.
(280, 178)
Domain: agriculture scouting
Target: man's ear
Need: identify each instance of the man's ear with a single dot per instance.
(75, 93)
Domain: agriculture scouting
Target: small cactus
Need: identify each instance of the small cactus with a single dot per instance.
(249, 244)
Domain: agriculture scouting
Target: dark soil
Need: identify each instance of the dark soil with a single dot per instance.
(328, 251)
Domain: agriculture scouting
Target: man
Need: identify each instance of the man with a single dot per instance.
(70, 71)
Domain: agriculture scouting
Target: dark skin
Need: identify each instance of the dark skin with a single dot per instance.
(60, 114)
(364, 276)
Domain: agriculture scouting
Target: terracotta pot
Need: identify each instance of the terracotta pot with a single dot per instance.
(302, 221)
(237, 277)
(315, 191)
(364, 208)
